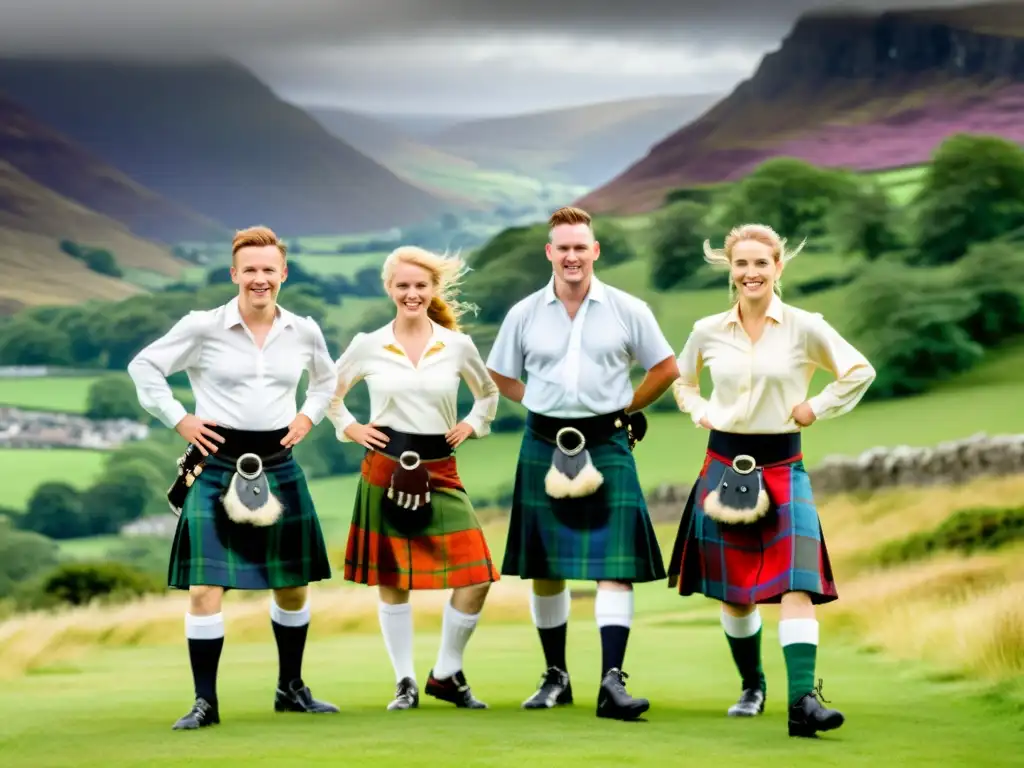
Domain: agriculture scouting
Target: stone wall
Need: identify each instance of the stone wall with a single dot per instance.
(947, 463)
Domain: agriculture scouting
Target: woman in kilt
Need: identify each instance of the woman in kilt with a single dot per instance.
(750, 531)
(247, 521)
(413, 526)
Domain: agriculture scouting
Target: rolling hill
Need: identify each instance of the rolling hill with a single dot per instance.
(48, 158)
(860, 91)
(578, 145)
(33, 269)
(215, 139)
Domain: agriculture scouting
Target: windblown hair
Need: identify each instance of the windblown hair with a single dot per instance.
(446, 271)
(761, 233)
(569, 215)
(257, 236)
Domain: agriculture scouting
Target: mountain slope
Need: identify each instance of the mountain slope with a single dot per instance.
(50, 159)
(579, 145)
(852, 90)
(34, 270)
(212, 137)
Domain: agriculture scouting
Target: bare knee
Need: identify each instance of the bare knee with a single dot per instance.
(797, 605)
(291, 598)
(393, 595)
(615, 586)
(739, 611)
(205, 600)
(548, 588)
(470, 599)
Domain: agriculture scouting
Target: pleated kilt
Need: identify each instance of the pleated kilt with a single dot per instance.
(758, 562)
(211, 549)
(605, 536)
(389, 547)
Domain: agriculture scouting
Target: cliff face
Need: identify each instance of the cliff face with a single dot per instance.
(856, 91)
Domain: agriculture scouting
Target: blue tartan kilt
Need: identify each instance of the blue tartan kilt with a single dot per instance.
(604, 537)
(211, 549)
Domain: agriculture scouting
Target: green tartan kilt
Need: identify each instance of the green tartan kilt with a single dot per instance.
(211, 549)
(605, 536)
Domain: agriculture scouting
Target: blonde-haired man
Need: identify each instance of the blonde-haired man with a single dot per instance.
(247, 521)
(581, 514)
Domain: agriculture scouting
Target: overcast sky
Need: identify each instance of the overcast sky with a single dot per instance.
(466, 57)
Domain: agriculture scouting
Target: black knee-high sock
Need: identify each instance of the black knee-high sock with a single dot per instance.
(551, 617)
(205, 635)
(613, 610)
(290, 630)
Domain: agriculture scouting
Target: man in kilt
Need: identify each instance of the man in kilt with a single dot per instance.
(750, 531)
(578, 511)
(413, 524)
(247, 521)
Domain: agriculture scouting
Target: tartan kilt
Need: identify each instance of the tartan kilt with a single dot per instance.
(447, 551)
(607, 536)
(211, 549)
(745, 564)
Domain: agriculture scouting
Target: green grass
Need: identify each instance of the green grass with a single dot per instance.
(65, 394)
(352, 310)
(342, 264)
(115, 707)
(24, 469)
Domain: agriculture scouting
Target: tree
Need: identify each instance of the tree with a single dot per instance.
(973, 192)
(113, 397)
(789, 195)
(55, 510)
(616, 247)
(867, 223)
(679, 234)
(994, 273)
(29, 342)
(102, 261)
(23, 555)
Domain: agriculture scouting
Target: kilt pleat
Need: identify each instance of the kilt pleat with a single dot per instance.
(210, 549)
(757, 562)
(448, 552)
(605, 536)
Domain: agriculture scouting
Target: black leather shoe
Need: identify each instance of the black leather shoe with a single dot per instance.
(614, 702)
(202, 715)
(807, 717)
(555, 690)
(296, 697)
(750, 704)
(407, 695)
(455, 690)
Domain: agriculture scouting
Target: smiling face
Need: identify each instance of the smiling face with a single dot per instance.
(754, 269)
(411, 288)
(572, 252)
(258, 271)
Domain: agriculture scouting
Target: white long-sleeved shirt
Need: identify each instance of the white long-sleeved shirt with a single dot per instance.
(757, 385)
(236, 384)
(415, 398)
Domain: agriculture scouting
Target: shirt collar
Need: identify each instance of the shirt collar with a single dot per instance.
(596, 292)
(774, 312)
(233, 316)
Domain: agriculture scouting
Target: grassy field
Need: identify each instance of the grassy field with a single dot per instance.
(342, 264)
(24, 469)
(65, 394)
(945, 689)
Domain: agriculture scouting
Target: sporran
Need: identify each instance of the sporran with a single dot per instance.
(407, 501)
(740, 497)
(248, 498)
(572, 473)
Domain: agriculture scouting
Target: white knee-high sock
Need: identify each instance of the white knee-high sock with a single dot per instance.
(613, 610)
(551, 611)
(456, 629)
(396, 626)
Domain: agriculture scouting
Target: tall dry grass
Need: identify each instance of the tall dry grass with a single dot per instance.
(959, 612)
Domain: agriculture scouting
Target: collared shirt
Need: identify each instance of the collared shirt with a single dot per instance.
(421, 397)
(578, 367)
(236, 384)
(757, 385)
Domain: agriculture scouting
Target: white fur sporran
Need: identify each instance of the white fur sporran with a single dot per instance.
(572, 473)
(740, 497)
(248, 498)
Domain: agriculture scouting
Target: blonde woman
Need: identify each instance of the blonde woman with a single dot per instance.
(750, 531)
(413, 526)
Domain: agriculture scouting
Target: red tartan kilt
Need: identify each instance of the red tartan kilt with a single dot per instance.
(755, 563)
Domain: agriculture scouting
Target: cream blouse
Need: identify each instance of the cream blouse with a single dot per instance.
(757, 385)
(420, 398)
